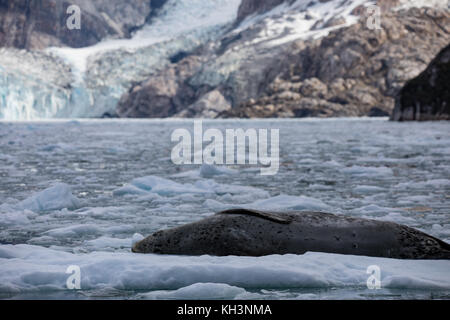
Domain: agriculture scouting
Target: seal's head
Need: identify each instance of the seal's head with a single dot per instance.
(151, 244)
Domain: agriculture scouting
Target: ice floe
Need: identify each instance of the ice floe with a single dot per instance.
(56, 197)
(27, 268)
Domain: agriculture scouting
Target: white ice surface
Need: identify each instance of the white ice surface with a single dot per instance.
(26, 268)
(199, 291)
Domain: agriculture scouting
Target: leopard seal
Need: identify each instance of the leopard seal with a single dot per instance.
(244, 232)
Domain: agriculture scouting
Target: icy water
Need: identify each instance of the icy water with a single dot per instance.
(78, 193)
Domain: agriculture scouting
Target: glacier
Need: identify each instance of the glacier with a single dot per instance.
(88, 82)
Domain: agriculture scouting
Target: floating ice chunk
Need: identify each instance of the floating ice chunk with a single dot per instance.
(438, 183)
(107, 243)
(372, 208)
(317, 186)
(396, 217)
(87, 229)
(219, 188)
(193, 174)
(332, 163)
(435, 184)
(129, 189)
(198, 291)
(157, 185)
(42, 241)
(165, 187)
(14, 218)
(361, 171)
(74, 230)
(216, 205)
(116, 150)
(118, 229)
(411, 200)
(367, 189)
(308, 161)
(285, 202)
(54, 198)
(55, 147)
(441, 231)
(208, 171)
(280, 203)
(6, 157)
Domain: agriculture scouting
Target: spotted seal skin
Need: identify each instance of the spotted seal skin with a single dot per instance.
(244, 232)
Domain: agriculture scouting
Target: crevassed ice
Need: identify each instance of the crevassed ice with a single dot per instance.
(92, 91)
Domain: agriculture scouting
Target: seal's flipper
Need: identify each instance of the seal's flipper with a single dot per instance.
(261, 214)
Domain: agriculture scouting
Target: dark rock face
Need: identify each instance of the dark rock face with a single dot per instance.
(249, 7)
(426, 97)
(37, 24)
(353, 71)
(162, 95)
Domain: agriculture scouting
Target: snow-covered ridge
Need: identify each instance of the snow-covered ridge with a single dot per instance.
(302, 20)
(176, 18)
(305, 19)
(406, 4)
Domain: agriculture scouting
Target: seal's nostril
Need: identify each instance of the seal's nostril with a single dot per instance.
(135, 248)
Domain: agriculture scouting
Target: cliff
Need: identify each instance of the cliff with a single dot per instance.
(426, 97)
(38, 24)
(340, 70)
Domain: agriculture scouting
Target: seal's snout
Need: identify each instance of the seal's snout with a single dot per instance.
(146, 245)
(143, 246)
(135, 248)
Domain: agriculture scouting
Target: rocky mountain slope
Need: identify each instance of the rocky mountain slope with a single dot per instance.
(426, 97)
(33, 24)
(215, 58)
(353, 71)
(336, 67)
